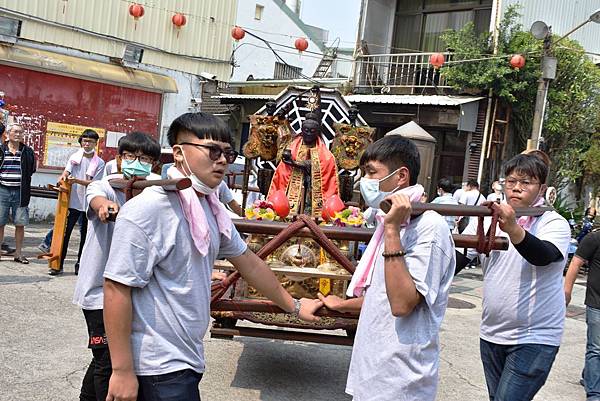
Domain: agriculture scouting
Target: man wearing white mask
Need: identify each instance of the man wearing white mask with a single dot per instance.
(401, 284)
(157, 277)
(83, 167)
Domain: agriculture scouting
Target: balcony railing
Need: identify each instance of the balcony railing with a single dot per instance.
(383, 72)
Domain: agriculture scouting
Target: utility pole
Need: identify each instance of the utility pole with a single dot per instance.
(542, 31)
(548, 74)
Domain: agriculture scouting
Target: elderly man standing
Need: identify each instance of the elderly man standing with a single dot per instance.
(17, 165)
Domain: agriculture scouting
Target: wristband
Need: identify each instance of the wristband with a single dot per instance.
(297, 306)
(397, 254)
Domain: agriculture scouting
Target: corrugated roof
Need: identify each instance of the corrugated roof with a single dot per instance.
(433, 100)
(244, 96)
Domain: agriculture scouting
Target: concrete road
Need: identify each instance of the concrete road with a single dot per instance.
(43, 354)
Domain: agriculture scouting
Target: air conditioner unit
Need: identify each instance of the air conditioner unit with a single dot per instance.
(10, 30)
(132, 56)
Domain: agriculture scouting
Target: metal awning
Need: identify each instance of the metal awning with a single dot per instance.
(76, 67)
(428, 100)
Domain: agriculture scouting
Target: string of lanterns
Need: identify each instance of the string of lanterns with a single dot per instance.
(137, 11)
(238, 34)
(437, 60)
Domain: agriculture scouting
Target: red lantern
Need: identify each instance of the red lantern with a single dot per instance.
(517, 61)
(437, 60)
(301, 44)
(238, 33)
(136, 11)
(179, 20)
(281, 204)
(332, 205)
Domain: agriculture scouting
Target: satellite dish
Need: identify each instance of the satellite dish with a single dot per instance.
(539, 30)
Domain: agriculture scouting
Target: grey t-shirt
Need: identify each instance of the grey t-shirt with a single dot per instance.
(155, 254)
(88, 290)
(397, 358)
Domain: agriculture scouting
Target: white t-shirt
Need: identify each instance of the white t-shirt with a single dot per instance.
(457, 194)
(472, 198)
(397, 358)
(77, 198)
(224, 193)
(155, 254)
(110, 167)
(447, 199)
(88, 290)
(493, 197)
(523, 303)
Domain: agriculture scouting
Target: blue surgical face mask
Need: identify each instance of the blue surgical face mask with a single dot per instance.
(369, 189)
(135, 168)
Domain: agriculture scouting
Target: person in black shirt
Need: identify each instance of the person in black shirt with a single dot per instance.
(589, 252)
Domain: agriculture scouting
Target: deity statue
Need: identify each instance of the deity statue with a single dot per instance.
(307, 171)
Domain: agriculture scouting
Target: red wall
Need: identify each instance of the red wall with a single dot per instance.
(36, 97)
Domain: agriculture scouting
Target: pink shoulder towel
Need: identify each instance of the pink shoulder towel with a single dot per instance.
(195, 216)
(527, 221)
(91, 171)
(363, 275)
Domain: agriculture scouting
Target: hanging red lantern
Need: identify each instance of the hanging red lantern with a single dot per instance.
(136, 11)
(179, 20)
(437, 60)
(301, 44)
(517, 61)
(238, 33)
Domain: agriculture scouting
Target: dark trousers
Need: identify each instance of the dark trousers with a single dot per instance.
(176, 386)
(95, 381)
(72, 219)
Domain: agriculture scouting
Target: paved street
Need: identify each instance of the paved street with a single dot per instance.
(43, 354)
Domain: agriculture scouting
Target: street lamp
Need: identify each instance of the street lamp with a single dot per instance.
(541, 31)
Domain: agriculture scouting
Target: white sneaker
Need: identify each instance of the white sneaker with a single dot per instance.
(43, 247)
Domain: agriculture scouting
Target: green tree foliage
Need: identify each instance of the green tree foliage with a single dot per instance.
(573, 109)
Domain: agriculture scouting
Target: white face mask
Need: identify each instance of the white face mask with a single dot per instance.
(88, 152)
(369, 189)
(197, 184)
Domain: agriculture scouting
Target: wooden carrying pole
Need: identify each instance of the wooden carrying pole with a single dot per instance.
(348, 233)
(63, 189)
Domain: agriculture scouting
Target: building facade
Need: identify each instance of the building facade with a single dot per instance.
(70, 65)
(396, 40)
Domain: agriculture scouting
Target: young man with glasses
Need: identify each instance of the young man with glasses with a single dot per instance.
(83, 167)
(138, 152)
(523, 300)
(157, 278)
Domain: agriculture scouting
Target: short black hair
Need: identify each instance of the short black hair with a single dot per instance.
(2, 128)
(395, 151)
(203, 125)
(139, 142)
(529, 165)
(88, 134)
(473, 183)
(446, 185)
